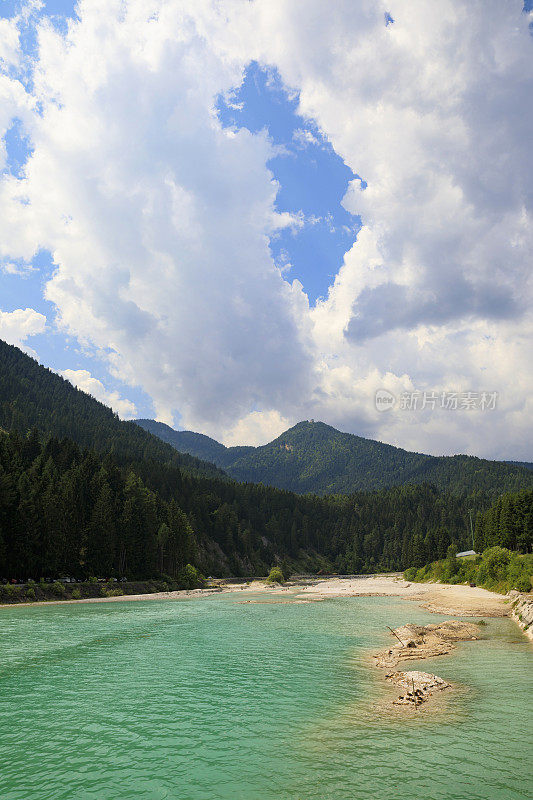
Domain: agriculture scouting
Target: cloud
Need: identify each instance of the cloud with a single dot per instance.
(304, 137)
(83, 379)
(256, 428)
(159, 220)
(16, 326)
(10, 53)
(432, 112)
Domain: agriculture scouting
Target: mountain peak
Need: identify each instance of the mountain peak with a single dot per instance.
(315, 457)
(311, 427)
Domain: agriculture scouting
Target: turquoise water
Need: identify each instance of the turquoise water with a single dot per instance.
(213, 698)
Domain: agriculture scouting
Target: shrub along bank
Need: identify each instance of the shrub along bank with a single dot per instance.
(497, 569)
(31, 592)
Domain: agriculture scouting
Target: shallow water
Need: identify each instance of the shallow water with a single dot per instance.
(213, 698)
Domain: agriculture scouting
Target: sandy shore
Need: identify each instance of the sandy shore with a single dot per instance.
(440, 598)
(256, 586)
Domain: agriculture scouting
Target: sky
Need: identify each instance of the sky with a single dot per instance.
(231, 216)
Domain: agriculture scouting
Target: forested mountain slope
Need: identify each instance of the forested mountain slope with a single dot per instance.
(64, 510)
(196, 444)
(504, 535)
(87, 494)
(314, 457)
(507, 523)
(33, 396)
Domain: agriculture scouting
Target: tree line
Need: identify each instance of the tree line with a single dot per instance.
(507, 523)
(69, 510)
(85, 494)
(503, 541)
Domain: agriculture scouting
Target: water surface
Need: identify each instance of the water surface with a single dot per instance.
(217, 699)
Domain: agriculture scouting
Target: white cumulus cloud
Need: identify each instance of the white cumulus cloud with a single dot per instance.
(256, 428)
(158, 219)
(83, 379)
(18, 325)
(434, 113)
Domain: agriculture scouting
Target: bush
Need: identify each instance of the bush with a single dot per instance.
(452, 565)
(58, 589)
(275, 576)
(455, 579)
(190, 578)
(76, 594)
(522, 584)
(494, 563)
(30, 593)
(109, 591)
(498, 569)
(469, 572)
(286, 569)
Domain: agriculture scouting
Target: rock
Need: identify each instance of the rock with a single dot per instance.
(522, 611)
(419, 686)
(427, 640)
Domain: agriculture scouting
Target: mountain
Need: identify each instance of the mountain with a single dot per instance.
(314, 457)
(84, 494)
(524, 464)
(196, 444)
(33, 396)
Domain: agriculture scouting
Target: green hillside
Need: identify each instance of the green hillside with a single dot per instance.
(504, 537)
(82, 493)
(196, 444)
(32, 396)
(314, 457)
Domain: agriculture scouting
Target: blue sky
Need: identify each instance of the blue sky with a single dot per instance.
(378, 156)
(312, 178)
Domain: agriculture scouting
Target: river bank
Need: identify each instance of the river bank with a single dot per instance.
(457, 600)
(522, 612)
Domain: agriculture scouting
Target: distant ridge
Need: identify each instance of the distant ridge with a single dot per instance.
(524, 464)
(315, 457)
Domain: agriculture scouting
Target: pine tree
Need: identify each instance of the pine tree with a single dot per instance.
(100, 557)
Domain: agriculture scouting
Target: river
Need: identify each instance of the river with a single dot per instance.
(216, 699)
